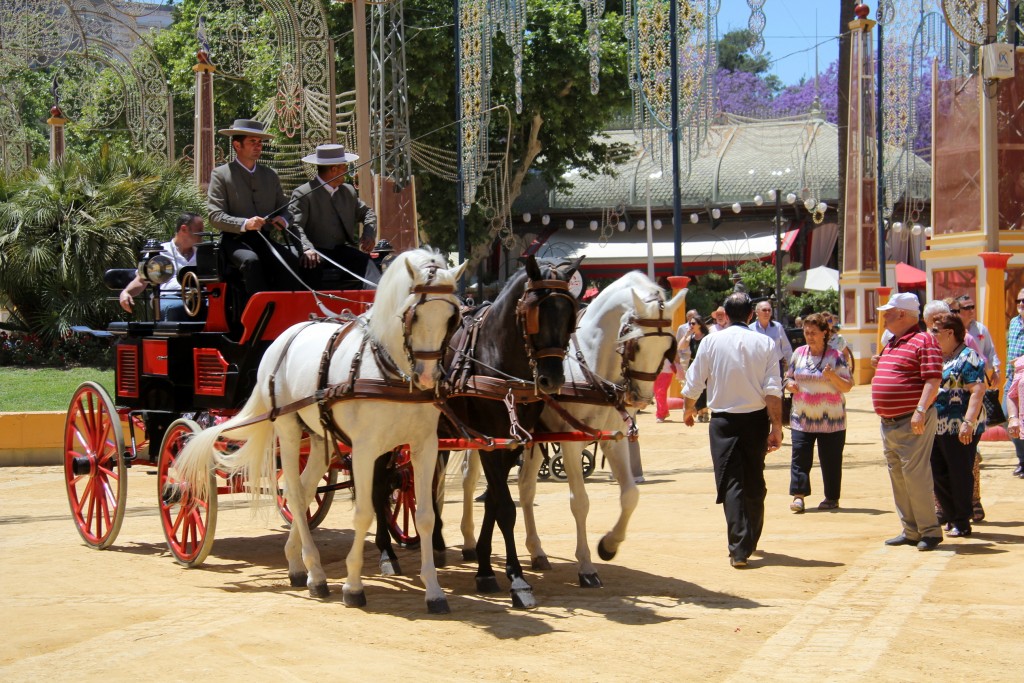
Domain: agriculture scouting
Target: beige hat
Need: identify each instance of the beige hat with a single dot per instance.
(902, 300)
(247, 127)
(330, 155)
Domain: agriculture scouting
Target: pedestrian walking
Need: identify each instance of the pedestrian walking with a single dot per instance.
(739, 368)
(903, 389)
(960, 423)
(818, 376)
(1015, 350)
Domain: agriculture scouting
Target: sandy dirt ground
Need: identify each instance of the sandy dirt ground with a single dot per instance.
(823, 600)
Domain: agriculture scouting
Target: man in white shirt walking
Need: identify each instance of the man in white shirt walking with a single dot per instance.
(741, 372)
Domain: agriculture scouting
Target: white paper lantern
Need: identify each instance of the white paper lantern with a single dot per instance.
(822, 207)
(736, 208)
(593, 225)
(694, 218)
(916, 230)
(657, 224)
(569, 223)
(771, 195)
(716, 213)
(527, 217)
(790, 198)
(545, 219)
(622, 226)
(758, 200)
(641, 224)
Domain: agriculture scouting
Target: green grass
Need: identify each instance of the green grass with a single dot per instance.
(25, 390)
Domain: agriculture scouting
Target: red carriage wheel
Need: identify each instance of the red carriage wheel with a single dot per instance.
(188, 521)
(94, 469)
(401, 500)
(322, 500)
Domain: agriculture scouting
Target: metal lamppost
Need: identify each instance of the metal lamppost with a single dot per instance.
(649, 225)
(790, 199)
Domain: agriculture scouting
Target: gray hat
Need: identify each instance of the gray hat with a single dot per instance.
(247, 127)
(330, 155)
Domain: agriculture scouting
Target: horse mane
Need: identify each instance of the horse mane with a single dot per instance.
(618, 293)
(393, 292)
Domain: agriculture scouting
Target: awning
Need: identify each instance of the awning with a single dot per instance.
(819, 279)
(909, 277)
(717, 252)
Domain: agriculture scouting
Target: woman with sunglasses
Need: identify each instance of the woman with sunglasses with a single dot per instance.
(689, 337)
(817, 376)
(961, 422)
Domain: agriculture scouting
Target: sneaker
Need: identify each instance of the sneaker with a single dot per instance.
(1020, 470)
(797, 505)
(929, 542)
(957, 533)
(661, 419)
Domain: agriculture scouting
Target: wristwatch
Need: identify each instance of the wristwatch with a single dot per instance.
(920, 409)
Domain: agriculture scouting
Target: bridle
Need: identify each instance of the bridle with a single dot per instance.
(427, 292)
(528, 317)
(631, 344)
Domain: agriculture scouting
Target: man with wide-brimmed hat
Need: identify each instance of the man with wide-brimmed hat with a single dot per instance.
(327, 213)
(246, 199)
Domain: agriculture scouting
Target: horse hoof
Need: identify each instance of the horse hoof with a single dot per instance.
(590, 581)
(440, 558)
(297, 580)
(603, 552)
(469, 554)
(390, 567)
(438, 606)
(319, 590)
(523, 599)
(487, 584)
(539, 563)
(353, 599)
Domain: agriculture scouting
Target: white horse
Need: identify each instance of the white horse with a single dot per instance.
(625, 335)
(407, 329)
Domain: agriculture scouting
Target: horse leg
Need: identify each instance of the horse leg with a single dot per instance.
(382, 538)
(309, 479)
(486, 581)
(362, 479)
(505, 516)
(527, 494)
(424, 464)
(289, 435)
(470, 476)
(579, 503)
(437, 538)
(629, 495)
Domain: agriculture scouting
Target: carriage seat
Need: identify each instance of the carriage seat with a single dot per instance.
(117, 279)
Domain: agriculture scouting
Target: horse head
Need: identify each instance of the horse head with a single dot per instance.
(646, 340)
(415, 313)
(546, 315)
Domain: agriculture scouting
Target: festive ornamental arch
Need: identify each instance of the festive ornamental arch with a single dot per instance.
(303, 107)
(50, 33)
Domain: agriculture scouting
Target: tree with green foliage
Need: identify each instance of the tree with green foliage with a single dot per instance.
(734, 55)
(63, 226)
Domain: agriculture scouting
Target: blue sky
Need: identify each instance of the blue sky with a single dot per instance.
(793, 26)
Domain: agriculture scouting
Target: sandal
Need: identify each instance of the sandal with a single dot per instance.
(828, 504)
(978, 513)
(797, 505)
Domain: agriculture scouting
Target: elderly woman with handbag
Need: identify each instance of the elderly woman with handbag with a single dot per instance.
(817, 376)
(961, 422)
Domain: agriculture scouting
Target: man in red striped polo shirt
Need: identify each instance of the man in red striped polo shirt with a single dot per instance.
(904, 387)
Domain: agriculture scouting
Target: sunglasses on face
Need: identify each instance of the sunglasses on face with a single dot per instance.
(967, 308)
(1020, 301)
(693, 322)
(954, 310)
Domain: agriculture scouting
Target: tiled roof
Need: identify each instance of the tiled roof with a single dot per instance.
(743, 159)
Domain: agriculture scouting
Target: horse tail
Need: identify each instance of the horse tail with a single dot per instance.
(254, 459)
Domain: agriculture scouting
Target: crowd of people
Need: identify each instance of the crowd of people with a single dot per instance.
(933, 368)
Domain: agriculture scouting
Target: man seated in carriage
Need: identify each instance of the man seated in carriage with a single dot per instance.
(181, 250)
(327, 213)
(245, 201)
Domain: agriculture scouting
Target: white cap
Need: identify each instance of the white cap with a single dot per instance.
(904, 301)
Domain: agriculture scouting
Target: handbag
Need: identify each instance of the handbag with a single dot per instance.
(787, 408)
(993, 408)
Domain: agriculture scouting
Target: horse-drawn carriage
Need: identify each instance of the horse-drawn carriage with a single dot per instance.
(371, 385)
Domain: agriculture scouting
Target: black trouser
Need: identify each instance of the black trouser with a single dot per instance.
(328, 276)
(739, 443)
(953, 474)
(257, 261)
(830, 457)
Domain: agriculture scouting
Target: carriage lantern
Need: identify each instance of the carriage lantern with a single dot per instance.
(154, 267)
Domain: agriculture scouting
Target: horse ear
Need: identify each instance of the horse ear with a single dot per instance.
(410, 270)
(676, 301)
(576, 263)
(458, 271)
(638, 302)
(532, 269)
